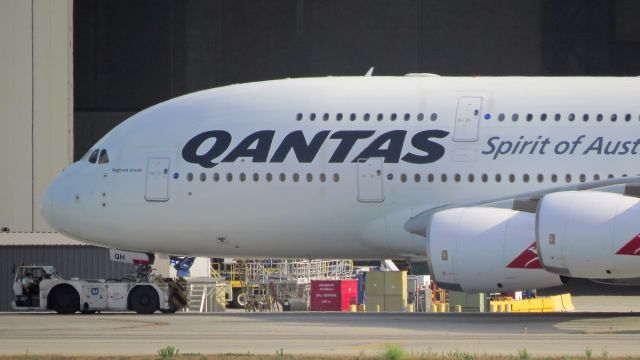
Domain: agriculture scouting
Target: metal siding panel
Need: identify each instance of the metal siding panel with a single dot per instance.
(52, 102)
(16, 115)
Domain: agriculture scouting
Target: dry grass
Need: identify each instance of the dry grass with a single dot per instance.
(283, 355)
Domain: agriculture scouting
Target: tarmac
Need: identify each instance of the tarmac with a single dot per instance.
(549, 334)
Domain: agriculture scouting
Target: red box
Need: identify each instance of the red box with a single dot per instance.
(333, 295)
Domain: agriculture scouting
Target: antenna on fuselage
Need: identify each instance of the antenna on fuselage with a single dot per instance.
(369, 73)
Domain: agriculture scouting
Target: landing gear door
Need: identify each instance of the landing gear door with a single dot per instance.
(467, 118)
(157, 188)
(370, 180)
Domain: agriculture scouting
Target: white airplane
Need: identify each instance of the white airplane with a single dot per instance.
(500, 183)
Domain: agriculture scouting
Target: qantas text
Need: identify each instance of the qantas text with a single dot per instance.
(205, 148)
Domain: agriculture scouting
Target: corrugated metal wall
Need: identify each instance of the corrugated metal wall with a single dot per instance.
(88, 262)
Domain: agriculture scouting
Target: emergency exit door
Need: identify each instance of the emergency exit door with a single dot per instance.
(370, 180)
(157, 188)
(467, 119)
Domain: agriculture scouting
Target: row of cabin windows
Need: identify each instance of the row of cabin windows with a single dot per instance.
(434, 116)
(365, 116)
(269, 177)
(554, 178)
(571, 117)
(497, 178)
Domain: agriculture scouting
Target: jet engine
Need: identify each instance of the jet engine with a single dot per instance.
(481, 249)
(589, 234)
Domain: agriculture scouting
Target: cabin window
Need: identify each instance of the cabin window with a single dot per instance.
(434, 117)
(243, 177)
(339, 117)
(457, 177)
(557, 117)
(512, 178)
(416, 178)
(583, 178)
(380, 117)
(336, 177)
(325, 117)
(572, 116)
(296, 177)
(366, 117)
(585, 117)
(614, 117)
(229, 177)
(309, 177)
(283, 177)
(599, 117)
(312, 116)
(323, 177)
(407, 117)
(420, 117)
(353, 117)
(203, 177)
(403, 178)
(269, 177)
(189, 177)
(430, 178)
(299, 117)
(216, 177)
(543, 117)
(443, 177)
(540, 178)
(471, 178)
(485, 178)
(525, 178)
(394, 116)
(514, 117)
(529, 117)
(627, 117)
(554, 178)
(498, 178)
(567, 178)
(256, 177)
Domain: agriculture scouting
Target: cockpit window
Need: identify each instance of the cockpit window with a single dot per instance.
(94, 156)
(104, 158)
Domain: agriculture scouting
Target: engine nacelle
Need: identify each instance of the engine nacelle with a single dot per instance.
(485, 250)
(589, 234)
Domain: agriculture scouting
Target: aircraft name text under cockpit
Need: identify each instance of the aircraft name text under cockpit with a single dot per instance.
(205, 148)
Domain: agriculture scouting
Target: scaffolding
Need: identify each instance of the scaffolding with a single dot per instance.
(270, 283)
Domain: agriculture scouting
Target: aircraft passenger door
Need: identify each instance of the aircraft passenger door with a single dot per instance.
(370, 180)
(157, 188)
(467, 119)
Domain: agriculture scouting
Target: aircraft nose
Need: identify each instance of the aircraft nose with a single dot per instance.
(57, 203)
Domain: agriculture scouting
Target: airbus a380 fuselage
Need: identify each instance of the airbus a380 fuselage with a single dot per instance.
(346, 166)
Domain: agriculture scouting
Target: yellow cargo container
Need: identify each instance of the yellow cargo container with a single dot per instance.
(394, 303)
(395, 283)
(375, 283)
(373, 301)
